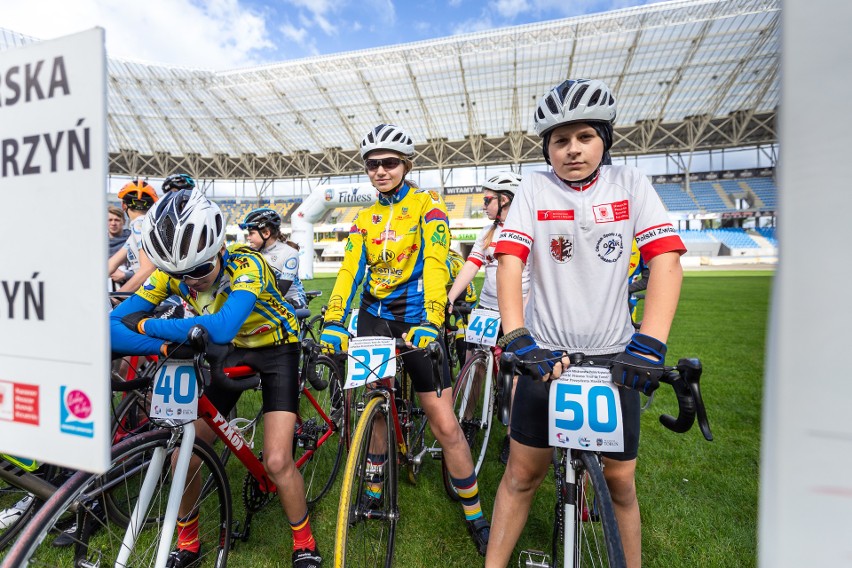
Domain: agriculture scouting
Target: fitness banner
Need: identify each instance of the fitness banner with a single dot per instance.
(54, 386)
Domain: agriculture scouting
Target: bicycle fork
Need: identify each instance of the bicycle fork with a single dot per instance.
(146, 493)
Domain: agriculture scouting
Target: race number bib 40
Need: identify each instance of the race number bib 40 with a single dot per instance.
(483, 327)
(370, 359)
(584, 411)
(174, 395)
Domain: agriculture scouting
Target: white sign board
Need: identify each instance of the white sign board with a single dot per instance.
(54, 361)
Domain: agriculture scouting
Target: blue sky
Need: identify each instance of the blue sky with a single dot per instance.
(228, 34)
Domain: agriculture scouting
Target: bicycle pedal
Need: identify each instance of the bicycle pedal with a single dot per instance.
(533, 559)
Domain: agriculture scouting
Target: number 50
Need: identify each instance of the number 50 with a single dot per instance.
(569, 398)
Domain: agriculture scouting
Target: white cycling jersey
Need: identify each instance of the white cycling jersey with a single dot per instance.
(482, 255)
(576, 243)
(284, 259)
(134, 243)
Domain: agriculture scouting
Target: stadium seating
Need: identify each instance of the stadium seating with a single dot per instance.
(765, 190)
(768, 233)
(707, 197)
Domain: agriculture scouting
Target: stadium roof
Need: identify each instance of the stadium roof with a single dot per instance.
(689, 75)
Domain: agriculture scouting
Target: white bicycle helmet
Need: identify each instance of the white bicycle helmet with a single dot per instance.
(387, 137)
(578, 100)
(183, 230)
(504, 182)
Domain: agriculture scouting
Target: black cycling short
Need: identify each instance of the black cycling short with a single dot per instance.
(529, 415)
(278, 366)
(418, 364)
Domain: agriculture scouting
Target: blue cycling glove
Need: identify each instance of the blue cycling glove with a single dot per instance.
(537, 361)
(641, 365)
(422, 335)
(334, 338)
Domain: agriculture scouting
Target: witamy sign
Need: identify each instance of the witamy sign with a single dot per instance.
(54, 385)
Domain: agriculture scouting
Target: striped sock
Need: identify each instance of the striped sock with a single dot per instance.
(468, 491)
(303, 538)
(375, 475)
(187, 537)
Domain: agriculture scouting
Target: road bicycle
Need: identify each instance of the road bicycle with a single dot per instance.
(140, 493)
(585, 530)
(366, 525)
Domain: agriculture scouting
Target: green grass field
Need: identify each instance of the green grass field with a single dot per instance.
(698, 499)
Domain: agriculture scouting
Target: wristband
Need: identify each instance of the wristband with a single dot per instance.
(512, 335)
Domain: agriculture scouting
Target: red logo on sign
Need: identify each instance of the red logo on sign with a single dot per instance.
(556, 215)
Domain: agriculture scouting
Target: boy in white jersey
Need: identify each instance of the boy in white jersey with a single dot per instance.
(137, 197)
(264, 235)
(573, 228)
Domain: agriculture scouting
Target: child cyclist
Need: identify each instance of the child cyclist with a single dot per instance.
(573, 227)
(235, 289)
(499, 191)
(398, 248)
(264, 235)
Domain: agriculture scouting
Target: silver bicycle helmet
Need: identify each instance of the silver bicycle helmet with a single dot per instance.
(504, 182)
(387, 137)
(183, 230)
(580, 100)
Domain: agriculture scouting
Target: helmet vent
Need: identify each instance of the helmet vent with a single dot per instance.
(159, 248)
(218, 223)
(578, 96)
(203, 239)
(186, 241)
(595, 97)
(167, 231)
(551, 106)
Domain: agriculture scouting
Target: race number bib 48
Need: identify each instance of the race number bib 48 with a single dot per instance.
(584, 411)
(174, 395)
(370, 359)
(483, 327)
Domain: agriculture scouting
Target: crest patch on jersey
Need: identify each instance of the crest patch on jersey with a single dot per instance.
(291, 263)
(376, 219)
(562, 247)
(244, 279)
(611, 212)
(610, 247)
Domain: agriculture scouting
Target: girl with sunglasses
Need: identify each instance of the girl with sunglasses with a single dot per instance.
(236, 291)
(398, 249)
(499, 191)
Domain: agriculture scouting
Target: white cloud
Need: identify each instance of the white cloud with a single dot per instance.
(473, 25)
(318, 12)
(302, 37)
(219, 34)
(509, 9)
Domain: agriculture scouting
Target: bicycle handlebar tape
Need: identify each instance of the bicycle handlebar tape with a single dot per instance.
(436, 354)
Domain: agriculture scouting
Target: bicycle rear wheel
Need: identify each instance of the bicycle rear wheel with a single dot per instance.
(17, 506)
(595, 540)
(104, 503)
(317, 441)
(473, 405)
(366, 525)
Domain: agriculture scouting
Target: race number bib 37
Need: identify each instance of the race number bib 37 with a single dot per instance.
(483, 327)
(584, 411)
(370, 359)
(174, 395)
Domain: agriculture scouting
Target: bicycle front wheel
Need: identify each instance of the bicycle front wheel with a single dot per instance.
(100, 506)
(473, 405)
(594, 541)
(367, 515)
(318, 444)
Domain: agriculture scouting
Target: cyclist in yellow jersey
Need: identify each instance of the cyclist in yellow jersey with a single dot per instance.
(234, 290)
(398, 249)
(637, 278)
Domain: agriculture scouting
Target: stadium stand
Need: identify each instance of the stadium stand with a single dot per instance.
(768, 233)
(765, 190)
(707, 197)
(675, 198)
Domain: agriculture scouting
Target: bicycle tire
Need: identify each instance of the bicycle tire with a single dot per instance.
(102, 538)
(364, 538)
(320, 469)
(130, 416)
(18, 506)
(469, 400)
(596, 541)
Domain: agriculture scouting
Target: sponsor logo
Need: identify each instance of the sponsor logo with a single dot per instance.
(610, 247)
(232, 435)
(262, 329)
(386, 255)
(654, 232)
(562, 248)
(555, 215)
(75, 412)
(435, 215)
(148, 286)
(386, 271)
(583, 441)
(406, 252)
(244, 279)
(562, 437)
(599, 442)
(352, 196)
(329, 195)
(376, 219)
(349, 246)
(435, 197)
(611, 212)
(386, 236)
(291, 263)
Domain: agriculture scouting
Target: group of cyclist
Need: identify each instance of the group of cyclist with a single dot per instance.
(555, 260)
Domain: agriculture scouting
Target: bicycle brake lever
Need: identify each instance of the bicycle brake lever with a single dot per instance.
(690, 370)
(508, 363)
(436, 354)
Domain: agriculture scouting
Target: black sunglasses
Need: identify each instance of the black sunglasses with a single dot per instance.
(488, 199)
(198, 273)
(386, 163)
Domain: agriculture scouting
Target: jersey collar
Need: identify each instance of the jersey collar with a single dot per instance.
(394, 196)
(584, 184)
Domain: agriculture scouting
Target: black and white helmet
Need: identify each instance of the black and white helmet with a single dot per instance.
(387, 137)
(183, 230)
(579, 100)
(504, 182)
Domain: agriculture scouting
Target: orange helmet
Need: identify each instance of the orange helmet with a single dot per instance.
(138, 195)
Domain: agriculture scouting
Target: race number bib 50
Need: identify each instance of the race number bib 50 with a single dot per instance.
(175, 392)
(370, 359)
(584, 411)
(483, 327)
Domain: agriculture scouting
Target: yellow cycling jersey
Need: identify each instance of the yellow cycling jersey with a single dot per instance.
(455, 262)
(398, 248)
(271, 320)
